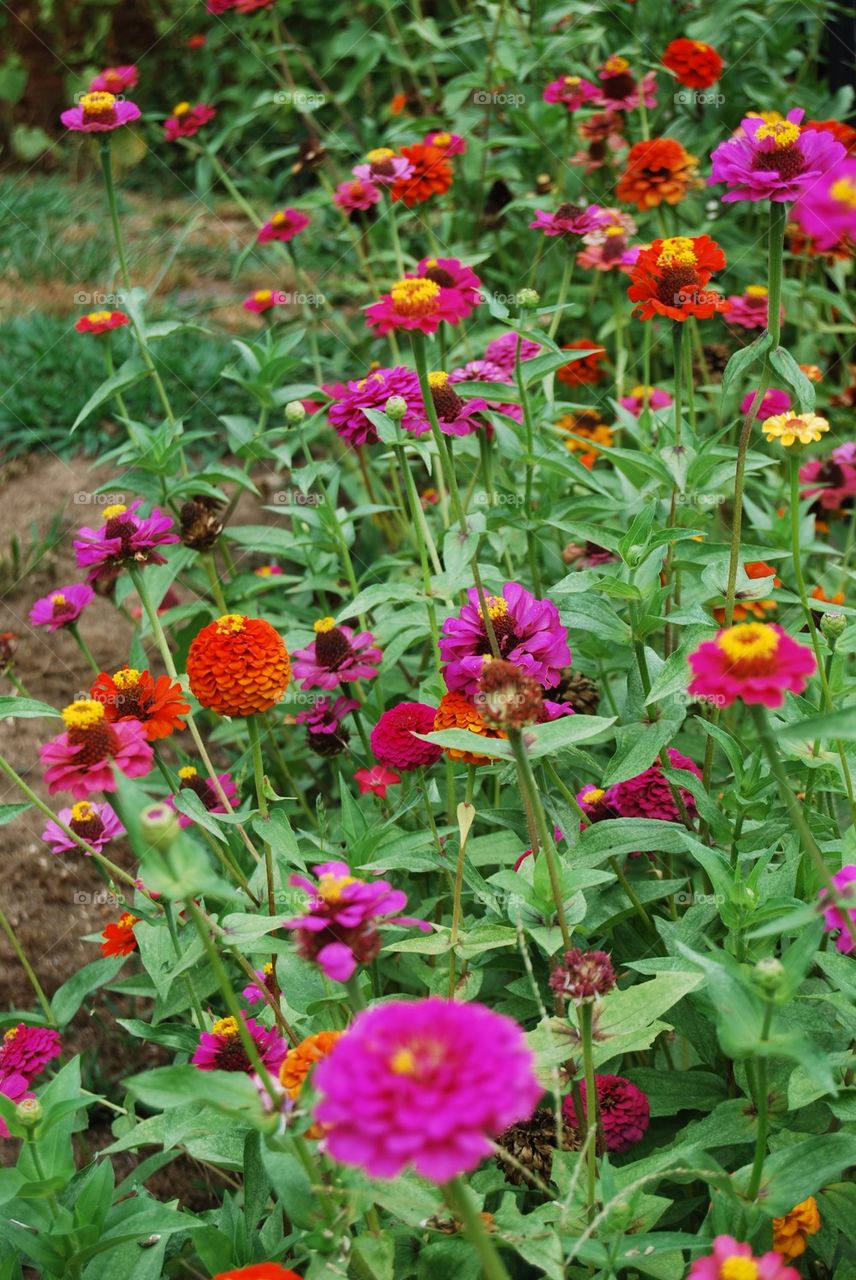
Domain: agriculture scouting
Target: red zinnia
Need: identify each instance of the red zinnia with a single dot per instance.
(259, 1271)
(135, 695)
(432, 175)
(119, 938)
(669, 278)
(101, 321)
(694, 63)
(585, 371)
(657, 170)
(844, 133)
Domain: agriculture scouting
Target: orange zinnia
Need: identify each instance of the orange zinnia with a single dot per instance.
(129, 694)
(589, 425)
(300, 1060)
(790, 1233)
(119, 939)
(432, 175)
(670, 278)
(585, 371)
(238, 665)
(457, 712)
(657, 170)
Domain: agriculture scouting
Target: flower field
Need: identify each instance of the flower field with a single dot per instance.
(459, 835)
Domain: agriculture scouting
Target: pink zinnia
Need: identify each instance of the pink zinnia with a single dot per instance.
(441, 289)
(376, 779)
(26, 1050)
(264, 299)
(502, 351)
(335, 655)
(755, 662)
(61, 607)
(623, 1110)
(283, 225)
(827, 210)
(99, 112)
(221, 1048)
(383, 167)
(719, 1265)
(325, 732)
(829, 481)
(124, 538)
(255, 991)
(451, 144)
(186, 121)
(648, 795)
(437, 1080)
(392, 739)
(115, 80)
(13, 1087)
(605, 246)
(81, 759)
(635, 402)
(339, 929)
(619, 89)
(833, 917)
(750, 309)
(356, 195)
(190, 780)
(455, 417)
(568, 220)
(778, 161)
(773, 401)
(97, 824)
(488, 371)
(346, 414)
(571, 92)
(528, 633)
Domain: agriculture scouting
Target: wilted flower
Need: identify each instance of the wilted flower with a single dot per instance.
(507, 698)
(583, 976)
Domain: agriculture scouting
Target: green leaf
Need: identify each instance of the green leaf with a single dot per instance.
(166, 1087)
(8, 812)
(131, 372)
(70, 996)
(800, 1169)
(25, 709)
(788, 369)
(744, 359)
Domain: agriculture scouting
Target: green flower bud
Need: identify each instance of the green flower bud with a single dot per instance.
(528, 299)
(396, 408)
(159, 825)
(29, 1112)
(832, 625)
(769, 975)
(294, 413)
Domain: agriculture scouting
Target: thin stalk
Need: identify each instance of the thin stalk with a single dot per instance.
(585, 1012)
(83, 647)
(529, 788)
(14, 943)
(762, 1106)
(259, 776)
(457, 1198)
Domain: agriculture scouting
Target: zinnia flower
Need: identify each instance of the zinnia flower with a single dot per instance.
(623, 1111)
(583, 976)
(733, 1260)
(587, 424)
(99, 112)
(263, 300)
(654, 397)
(749, 310)
(774, 401)
(451, 144)
(337, 654)
(694, 63)
(81, 759)
(258, 1270)
(119, 939)
(189, 780)
(392, 739)
(826, 211)
(441, 289)
(774, 161)
(115, 80)
(61, 607)
(829, 481)
(346, 414)
(298, 1063)
(571, 92)
(656, 170)
(128, 694)
(186, 121)
(221, 1048)
(26, 1050)
(238, 665)
(339, 929)
(648, 795)
(603, 133)
(833, 918)
(384, 168)
(438, 1080)
(528, 633)
(568, 220)
(455, 416)
(358, 194)
(756, 662)
(97, 824)
(325, 732)
(124, 538)
(670, 278)
(457, 712)
(431, 174)
(98, 322)
(376, 779)
(790, 428)
(584, 371)
(790, 1233)
(502, 351)
(283, 225)
(619, 89)
(605, 246)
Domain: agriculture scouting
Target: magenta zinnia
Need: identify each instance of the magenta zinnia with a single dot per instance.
(336, 654)
(62, 607)
(733, 1260)
(27, 1050)
(392, 739)
(438, 1080)
(528, 633)
(81, 759)
(774, 160)
(755, 662)
(125, 538)
(623, 1111)
(221, 1048)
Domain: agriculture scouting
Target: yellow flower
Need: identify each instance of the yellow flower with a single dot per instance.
(793, 428)
(790, 1233)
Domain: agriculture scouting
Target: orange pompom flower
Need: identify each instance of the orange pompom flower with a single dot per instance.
(670, 278)
(790, 1233)
(432, 175)
(238, 665)
(129, 694)
(693, 63)
(299, 1061)
(657, 170)
(457, 712)
(119, 939)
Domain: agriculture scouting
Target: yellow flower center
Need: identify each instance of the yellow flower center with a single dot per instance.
(403, 1062)
(127, 678)
(442, 139)
(267, 969)
(641, 393)
(677, 251)
(572, 81)
(263, 295)
(58, 598)
(323, 625)
(225, 1027)
(118, 508)
(330, 887)
(844, 191)
(83, 714)
(229, 624)
(437, 381)
(616, 65)
(748, 642)
(379, 154)
(127, 921)
(756, 291)
(615, 229)
(187, 771)
(11, 1033)
(279, 219)
(593, 795)
(181, 109)
(82, 811)
(497, 606)
(415, 297)
(737, 1268)
(783, 132)
(97, 103)
(98, 317)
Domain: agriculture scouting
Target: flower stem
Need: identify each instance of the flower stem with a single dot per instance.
(529, 790)
(531, 546)
(586, 1034)
(259, 776)
(83, 647)
(14, 943)
(457, 1198)
(762, 1106)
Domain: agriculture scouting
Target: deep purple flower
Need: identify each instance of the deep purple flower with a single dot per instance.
(528, 633)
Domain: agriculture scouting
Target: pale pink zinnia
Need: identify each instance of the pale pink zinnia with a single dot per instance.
(356, 195)
(755, 662)
(436, 1080)
(733, 1260)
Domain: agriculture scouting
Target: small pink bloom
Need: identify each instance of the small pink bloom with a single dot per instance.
(635, 402)
(845, 882)
(283, 225)
(99, 113)
(619, 88)
(358, 194)
(384, 168)
(98, 322)
(61, 607)
(571, 92)
(774, 401)
(727, 1250)
(376, 779)
(451, 144)
(749, 310)
(115, 80)
(264, 299)
(221, 1048)
(186, 121)
(567, 220)
(97, 824)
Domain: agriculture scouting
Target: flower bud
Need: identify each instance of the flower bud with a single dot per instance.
(294, 413)
(29, 1112)
(395, 408)
(769, 975)
(583, 976)
(528, 299)
(159, 825)
(832, 625)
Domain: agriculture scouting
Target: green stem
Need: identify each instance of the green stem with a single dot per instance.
(15, 944)
(585, 1012)
(762, 1105)
(83, 647)
(529, 788)
(259, 776)
(567, 271)
(457, 1198)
